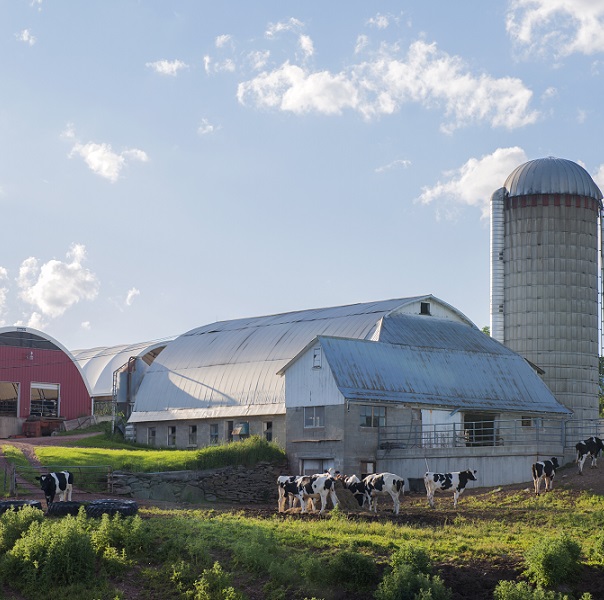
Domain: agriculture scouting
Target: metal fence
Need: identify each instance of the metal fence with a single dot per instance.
(513, 432)
(97, 479)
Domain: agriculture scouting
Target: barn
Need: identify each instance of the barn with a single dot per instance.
(377, 385)
(40, 381)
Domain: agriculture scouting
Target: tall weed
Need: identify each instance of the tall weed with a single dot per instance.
(553, 561)
(13, 523)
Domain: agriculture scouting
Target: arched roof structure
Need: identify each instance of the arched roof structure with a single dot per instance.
(99, 364)
(231, 367)
(551, 176)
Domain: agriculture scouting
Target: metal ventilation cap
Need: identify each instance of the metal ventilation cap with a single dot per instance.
(551, 176)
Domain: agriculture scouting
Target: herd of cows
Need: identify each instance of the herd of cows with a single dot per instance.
(305, 490)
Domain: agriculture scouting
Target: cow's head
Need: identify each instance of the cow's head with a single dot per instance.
(555, 462)
(48, 486)
(472, 475)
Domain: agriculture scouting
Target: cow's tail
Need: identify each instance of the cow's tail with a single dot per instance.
(534, 470)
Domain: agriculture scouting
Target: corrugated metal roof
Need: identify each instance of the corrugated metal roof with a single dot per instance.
(461, 377)
(232, 363)
(551, 176)
(99, 364)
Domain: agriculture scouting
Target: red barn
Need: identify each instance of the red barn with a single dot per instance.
(39, 380)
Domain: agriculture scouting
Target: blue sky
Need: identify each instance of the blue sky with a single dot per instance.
(164, 165)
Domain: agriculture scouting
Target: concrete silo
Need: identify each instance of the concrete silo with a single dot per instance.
(545, 250)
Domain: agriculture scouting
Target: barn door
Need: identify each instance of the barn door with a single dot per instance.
(44, 400)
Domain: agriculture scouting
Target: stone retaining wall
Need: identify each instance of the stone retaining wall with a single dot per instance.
(245, 485)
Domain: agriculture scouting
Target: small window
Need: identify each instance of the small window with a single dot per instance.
(372, 416)
(316, 358)
(527, 422)
(424, 308)
(367, 467)
(171, 436)
(192, 435)
(214, 434)
(230, 427)
(314, 416)
(267, 427)
(151, 436)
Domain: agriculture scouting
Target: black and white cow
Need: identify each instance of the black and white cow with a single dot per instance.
(590, 447)
(317, 486)
(56, 483)
(378, 484)
(357, 488)
(544, 471)
(441, 482)
(288, 489)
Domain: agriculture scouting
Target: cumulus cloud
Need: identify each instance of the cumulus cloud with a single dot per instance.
(100, 158)
(55, 286)
(167, 67)
(258, 59)
(381, 86)
(85, 325)
(131, 295)
(211, 66)
(26, 37)
(474, 182)
(206, 128)
(557, 27)
(3, 294)
(598, 176)
(361, 44)
(291, 24)
(395, 164)
(380, 21)
(306, 45)
(222, 40)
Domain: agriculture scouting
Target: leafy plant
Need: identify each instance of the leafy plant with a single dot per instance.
(553, 561)
(509, 590)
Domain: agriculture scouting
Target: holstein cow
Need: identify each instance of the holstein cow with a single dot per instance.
(287, 486)
(544, 471)
(379, 484)
(441, 482)
(357, 487)
(53, 483)
(589, 447)
(317, 486)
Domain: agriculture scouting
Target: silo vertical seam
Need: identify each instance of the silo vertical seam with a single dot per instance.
(497, 265)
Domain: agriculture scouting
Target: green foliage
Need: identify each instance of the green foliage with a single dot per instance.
(553, 561)
(13, 523)
(352, 571)
(247, 452)
(509, 590)
(409, 578)
(215, 584)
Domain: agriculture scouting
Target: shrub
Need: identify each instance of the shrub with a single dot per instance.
(353, 571)
(215, 584)
(553, 561)
(246, 452)
(508, 590)
(13, 523)
(410, 579)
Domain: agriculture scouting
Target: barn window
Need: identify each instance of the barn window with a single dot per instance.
(316, 358)
(526, 422)
(9, 397)
(193, 435)
(479, 429)
(230, 427)
(151, 436)
(44, 400)
(314, 416)
(267, 428)
(314, 466)
(171, 436)
(213, 433)
(424, 308)
(372, 416)
(367, 467)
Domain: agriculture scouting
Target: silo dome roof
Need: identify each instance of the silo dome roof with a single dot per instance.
(551, 176)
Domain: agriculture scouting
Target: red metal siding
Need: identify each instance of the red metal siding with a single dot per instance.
(46, 366)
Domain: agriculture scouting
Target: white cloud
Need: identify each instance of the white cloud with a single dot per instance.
(55, 286)
(557, 27)
(258, 59)
(475, 181)
(395, 164)
(206, 128)
(167, 67)
(100, 158)
(131, 295)
(85, 325)
(550, 92)
(380, 21)
(26, 37)
(3, 294)
(598, 177)
(426, 76)
(306, 45)
(362, 43)
(222, 40)
(291, 24)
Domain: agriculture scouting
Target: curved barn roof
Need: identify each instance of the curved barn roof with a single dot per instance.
(99, 364)
(235, 364)
(551, 176)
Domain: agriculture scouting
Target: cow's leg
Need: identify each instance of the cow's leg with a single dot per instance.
(431, 499)
(581, 462)
(281, 499)
(594, 461)
(549, 484)
(455, 498)
(69, 491)
(396, 502)
(537, 485)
